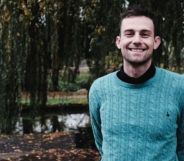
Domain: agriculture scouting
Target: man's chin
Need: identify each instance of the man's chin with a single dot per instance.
(138, 62)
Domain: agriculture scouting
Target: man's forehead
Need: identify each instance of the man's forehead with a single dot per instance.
(138, 23)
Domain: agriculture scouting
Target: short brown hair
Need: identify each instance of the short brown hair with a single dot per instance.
(138, 10)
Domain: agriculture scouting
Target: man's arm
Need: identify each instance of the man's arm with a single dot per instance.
(180, 137)
(180, 130)
(94, 108)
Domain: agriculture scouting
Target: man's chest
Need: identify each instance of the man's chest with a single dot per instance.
(143, 113)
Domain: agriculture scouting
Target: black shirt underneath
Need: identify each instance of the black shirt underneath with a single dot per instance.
(147, 75)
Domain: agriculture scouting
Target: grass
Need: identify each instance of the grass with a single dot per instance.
(66, 101)
(68, 91)
(60, 98)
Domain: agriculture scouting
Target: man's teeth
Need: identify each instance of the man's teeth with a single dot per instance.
(137, 50)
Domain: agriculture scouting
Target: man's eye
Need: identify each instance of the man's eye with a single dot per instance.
(129, 34)
(145, 35)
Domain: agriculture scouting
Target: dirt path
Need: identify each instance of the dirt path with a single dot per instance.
(57, 146)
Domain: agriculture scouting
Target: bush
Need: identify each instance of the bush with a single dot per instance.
(65, 86)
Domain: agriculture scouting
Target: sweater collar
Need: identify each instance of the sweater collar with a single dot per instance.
(146, 76)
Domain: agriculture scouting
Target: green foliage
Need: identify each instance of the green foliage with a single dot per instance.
(10, 66)
(65, 86)
(104, 26)
(113, 61)
(66, 101)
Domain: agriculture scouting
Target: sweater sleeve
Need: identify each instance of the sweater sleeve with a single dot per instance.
(180, 137)
(180, 130)
(94, 108)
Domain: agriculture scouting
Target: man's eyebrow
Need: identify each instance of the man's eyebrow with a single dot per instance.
(129, 30)
(146, 31)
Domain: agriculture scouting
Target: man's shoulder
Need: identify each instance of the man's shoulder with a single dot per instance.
(100, 85)
(104, 78)
(173, 78)
(102, 81)
(171, 74)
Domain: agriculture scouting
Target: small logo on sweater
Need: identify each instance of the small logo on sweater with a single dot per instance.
(167, 114)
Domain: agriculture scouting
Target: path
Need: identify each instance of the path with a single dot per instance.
(57, 146)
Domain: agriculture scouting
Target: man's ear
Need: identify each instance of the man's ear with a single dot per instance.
(118, 40)
(157, 42)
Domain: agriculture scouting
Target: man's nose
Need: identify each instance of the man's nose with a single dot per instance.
(137, 39)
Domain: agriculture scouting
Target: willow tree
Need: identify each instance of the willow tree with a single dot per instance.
(71, 38)
(102, 23)
(53, 13)
(37, 56)
(11, 60)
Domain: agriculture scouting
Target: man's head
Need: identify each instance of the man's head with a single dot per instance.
(137, 38)
(138, 10)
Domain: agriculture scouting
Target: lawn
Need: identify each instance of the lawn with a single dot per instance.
(61, 98)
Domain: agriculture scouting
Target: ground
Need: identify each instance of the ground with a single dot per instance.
(57, 146)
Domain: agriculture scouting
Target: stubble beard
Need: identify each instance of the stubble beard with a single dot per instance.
(138, 63)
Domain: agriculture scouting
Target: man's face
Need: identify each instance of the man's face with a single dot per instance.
(137, 40)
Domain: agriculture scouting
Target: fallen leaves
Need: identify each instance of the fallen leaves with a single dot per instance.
(57, 155)
(57, 146)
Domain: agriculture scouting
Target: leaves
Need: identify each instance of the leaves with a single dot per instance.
(44, 147)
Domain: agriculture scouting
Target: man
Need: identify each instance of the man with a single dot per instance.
(137, 113)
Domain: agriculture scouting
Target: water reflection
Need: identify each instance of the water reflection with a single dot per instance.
(76, 123)
(52, 123)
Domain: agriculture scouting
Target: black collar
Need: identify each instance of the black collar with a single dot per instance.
(147, 75)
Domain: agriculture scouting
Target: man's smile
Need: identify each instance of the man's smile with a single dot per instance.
(137, 49)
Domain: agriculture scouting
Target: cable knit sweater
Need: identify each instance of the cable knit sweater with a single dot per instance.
(143, 122)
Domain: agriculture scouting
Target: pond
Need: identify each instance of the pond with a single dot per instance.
(51, 123)
(67, 119)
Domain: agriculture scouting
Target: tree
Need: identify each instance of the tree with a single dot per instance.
(102, 19)
(10, 65)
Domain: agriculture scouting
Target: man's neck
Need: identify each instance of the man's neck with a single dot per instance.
(143, 78)
(136, 71)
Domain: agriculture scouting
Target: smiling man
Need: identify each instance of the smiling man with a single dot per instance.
(137, 113)
(137, 41)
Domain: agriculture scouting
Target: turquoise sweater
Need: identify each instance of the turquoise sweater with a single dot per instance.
(143, 122)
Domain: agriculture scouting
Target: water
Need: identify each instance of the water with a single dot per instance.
(52, 122)
(74, 120)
